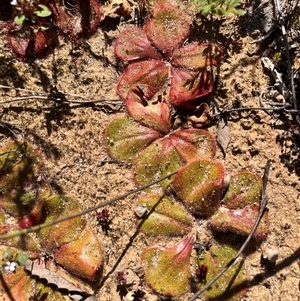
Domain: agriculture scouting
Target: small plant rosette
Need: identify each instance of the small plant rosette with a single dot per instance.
(156, 53)
(35, 25)
(155, 154)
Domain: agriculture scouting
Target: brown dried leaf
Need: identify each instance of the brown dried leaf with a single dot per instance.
(59, 281)
(223, 135)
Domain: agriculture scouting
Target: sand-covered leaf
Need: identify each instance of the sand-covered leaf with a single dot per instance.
(193, 143)
(82, 257)
(57, 207)
(167, 269)
(232, 285)
(199, 184)
(167, 27)
(158, 160)
(132, 44)
(196, 56)
(240, 220)
(166, 217)
(125, 138)
(244, 189)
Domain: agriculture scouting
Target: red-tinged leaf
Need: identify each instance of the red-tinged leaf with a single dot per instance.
(167, 270)
(145, 78)
(244, 189)
(82, 257)
(196, 56)
(199, 184)
(233, 283)
(84, 19)
(16, 286)
(19, 38)
(166, 217)
(193, 143)
(57, 207)
(167, 27)
(187, 85)
(125, 138)
(240, 221)
(41, 42)
(154, 115)
(132, 44)
(158, 160)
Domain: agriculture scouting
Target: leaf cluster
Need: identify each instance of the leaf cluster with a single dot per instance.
(218, 7)
(29, 10)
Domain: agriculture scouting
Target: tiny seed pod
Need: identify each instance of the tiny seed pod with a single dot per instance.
(141, 210)
(270, 253)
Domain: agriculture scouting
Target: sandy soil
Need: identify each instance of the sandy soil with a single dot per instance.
(70, 138)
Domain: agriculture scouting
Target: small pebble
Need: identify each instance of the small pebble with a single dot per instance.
(270, 252)
(141, 210)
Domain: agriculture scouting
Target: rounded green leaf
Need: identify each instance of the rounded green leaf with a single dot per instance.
(55, 236)
(43, 11)
(244, 189)
(165, 217)
(158, 160)
(232, 284)
(167, 27)
(167, 270)
(19, 19)
(199, 184)
(132, 44)
(124, 138)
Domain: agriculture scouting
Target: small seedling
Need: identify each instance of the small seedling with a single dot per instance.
(219, 7)
(29, 10)
(12, 261)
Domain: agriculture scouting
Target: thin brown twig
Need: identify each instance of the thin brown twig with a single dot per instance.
(59, 97)
(289, 61)
(279, 109)
(263, 205)
(84, 212)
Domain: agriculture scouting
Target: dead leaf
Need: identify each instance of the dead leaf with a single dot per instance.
(60, 282)
(223, 135)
